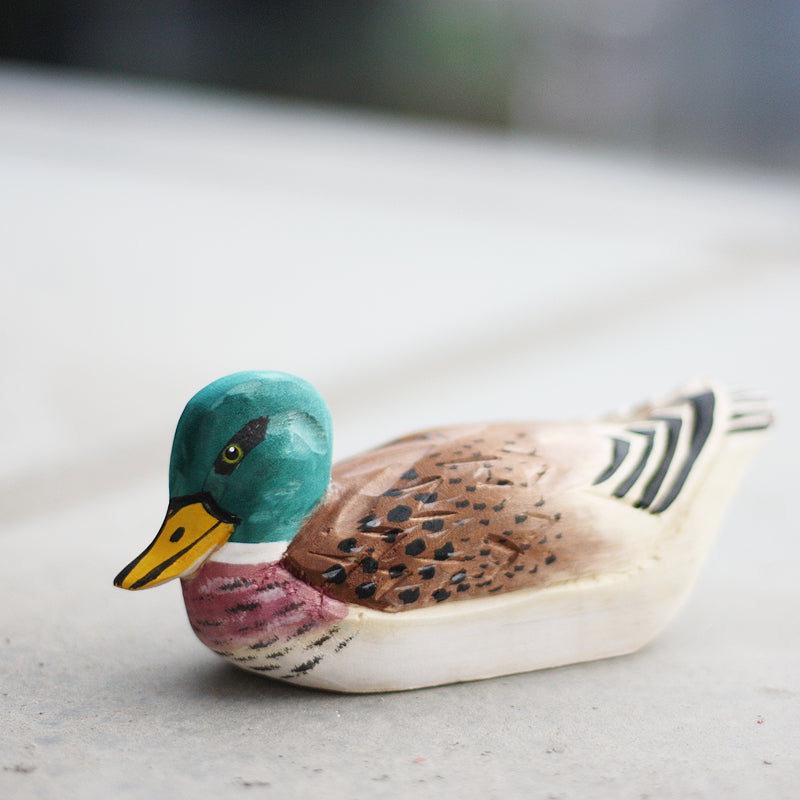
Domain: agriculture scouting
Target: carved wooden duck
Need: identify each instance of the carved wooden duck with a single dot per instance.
(453, 554)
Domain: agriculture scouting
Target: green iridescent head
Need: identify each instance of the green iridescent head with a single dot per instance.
(259, 443)
(250, 460)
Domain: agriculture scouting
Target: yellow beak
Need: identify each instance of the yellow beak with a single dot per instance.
(193, 529)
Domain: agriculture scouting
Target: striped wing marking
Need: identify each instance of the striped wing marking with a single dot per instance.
(658, 440)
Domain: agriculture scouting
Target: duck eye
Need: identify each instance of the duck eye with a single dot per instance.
(232, 454)
(240, 444)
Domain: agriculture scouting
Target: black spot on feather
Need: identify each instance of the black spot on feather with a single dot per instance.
(409, 595)
(307, 666)
(415, 548)
(366, 589)
(399, 514)
(335, 574)
(426, 497)
(444, 552)
(369, 565)
(242, 607)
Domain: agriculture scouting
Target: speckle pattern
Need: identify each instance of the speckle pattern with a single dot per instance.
(369, 565)
(263, 619)
(444, 516)
(366, 589)
(427, 572)
(399, 514)
(415, 548)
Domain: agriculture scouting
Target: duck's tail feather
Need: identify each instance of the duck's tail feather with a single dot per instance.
(750, 412)
(659, 449)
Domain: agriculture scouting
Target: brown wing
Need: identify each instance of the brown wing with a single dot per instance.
(440, 516)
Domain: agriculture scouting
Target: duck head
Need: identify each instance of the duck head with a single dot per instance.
(250, 460)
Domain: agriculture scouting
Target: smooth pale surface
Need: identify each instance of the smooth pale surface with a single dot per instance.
(154, 240)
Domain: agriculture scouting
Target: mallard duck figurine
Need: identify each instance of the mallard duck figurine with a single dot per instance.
(449, 555)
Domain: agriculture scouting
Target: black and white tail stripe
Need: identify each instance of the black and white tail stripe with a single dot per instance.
(653, 458)
(750, 413)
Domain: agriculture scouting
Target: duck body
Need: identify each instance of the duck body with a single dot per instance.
(452, 554)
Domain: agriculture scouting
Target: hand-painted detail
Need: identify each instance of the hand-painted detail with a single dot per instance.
(263, 618)
(172, 553)
(703, 406)
(467, 512)
(625, 486)
(240, 445)
(752, 413)
(702, 420)
(621, 448)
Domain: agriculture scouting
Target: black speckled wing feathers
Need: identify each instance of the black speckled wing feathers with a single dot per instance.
(467, 512)
(451, 514)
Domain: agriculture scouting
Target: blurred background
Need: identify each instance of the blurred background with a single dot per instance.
(344, 181)
(435, 212)
(717, 80)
